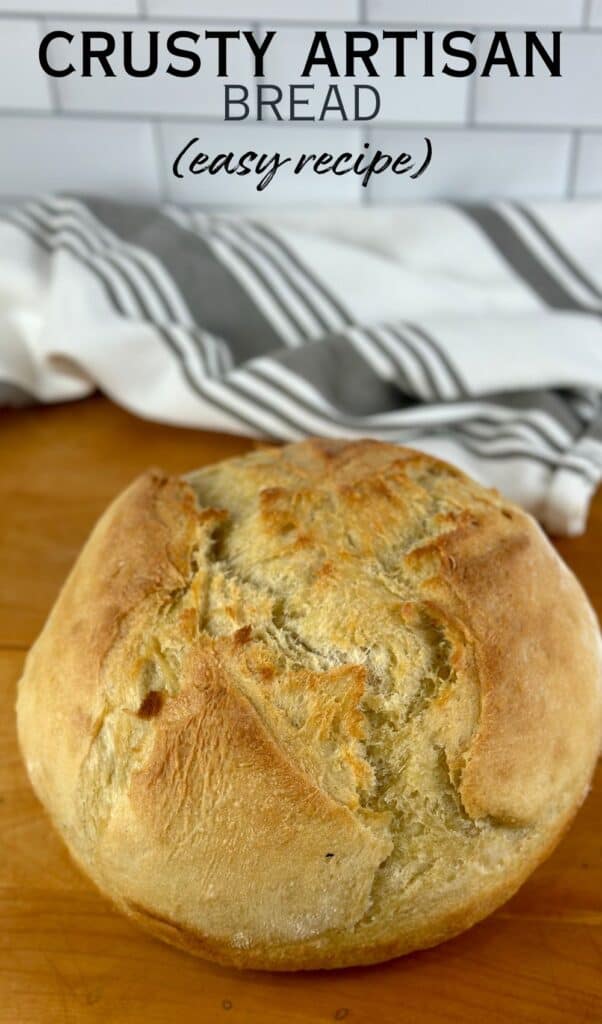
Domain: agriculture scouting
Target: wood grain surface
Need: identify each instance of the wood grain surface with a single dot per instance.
(67, 956)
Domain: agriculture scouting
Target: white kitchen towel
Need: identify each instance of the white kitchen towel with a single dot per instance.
(472, 332)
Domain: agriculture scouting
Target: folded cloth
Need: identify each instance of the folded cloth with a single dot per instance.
(471, 332)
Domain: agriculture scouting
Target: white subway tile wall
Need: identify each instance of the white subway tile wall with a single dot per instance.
(595, 14)
(76, 7)
(280, 10)
(29, 91)
(412, 99)
(575, 99)
(501, 13)
(158, 93)
(84, 155)
(199, 189)
(494, 136)
(477, 165)
(588, 180)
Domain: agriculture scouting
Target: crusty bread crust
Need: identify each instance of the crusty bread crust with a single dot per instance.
(317, 706)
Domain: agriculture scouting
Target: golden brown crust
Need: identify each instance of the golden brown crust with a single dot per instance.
(320, 705)
(529, 618)
(138, 549)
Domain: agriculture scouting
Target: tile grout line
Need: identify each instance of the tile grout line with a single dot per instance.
(334, 23)
(573, 163)
(471, 91)
(158, 149)
(53, 86)
(215, 119)
(365, 137)
(587, 13)
(366, 129)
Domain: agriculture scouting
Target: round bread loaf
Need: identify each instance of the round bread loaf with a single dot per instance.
(316, 706)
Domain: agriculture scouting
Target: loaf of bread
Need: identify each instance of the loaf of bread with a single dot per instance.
(316, 706)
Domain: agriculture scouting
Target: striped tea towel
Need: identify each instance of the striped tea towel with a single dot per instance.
(472, 332)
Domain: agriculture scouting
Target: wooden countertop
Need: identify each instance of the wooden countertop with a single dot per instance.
(67, 956)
